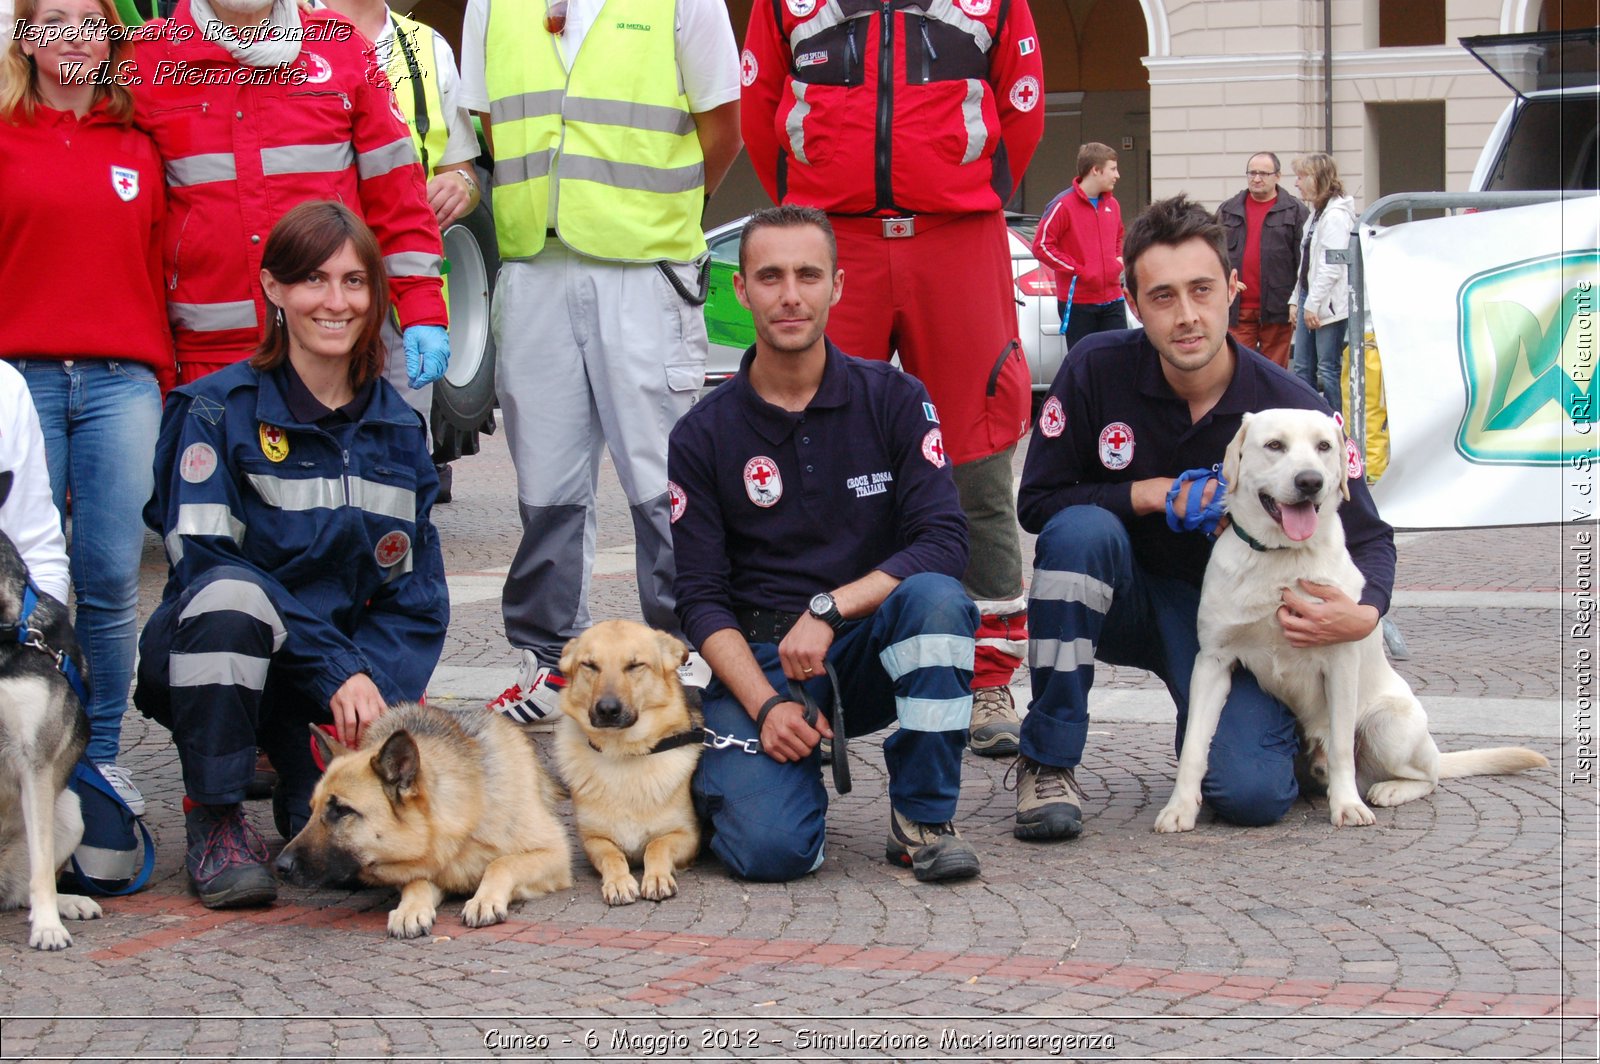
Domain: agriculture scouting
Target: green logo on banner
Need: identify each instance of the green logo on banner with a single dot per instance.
(1528, 359)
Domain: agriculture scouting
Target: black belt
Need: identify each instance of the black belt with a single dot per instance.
(764, 626)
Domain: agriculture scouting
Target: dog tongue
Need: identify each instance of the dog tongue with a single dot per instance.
(1299, 520)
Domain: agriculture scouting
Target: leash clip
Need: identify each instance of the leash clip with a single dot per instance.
(722, 742)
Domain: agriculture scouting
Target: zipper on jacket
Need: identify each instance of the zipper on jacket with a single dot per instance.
(326, 92)
(1000, 364)
(177, 248)
(345, 476)
(928, 52)
(852, 55)
(883, 155)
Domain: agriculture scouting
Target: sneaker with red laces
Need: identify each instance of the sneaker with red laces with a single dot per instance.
(535, 695)
(226, 858)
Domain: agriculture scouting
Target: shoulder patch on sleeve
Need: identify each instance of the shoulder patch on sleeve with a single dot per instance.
(207, 410)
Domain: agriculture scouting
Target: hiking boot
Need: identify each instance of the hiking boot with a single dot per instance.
(1049, 801)
(996, 729)
(226, 858)
(535, 695)
(122, 782)
(933, 852)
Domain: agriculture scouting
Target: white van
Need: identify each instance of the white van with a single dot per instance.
(1545, 139)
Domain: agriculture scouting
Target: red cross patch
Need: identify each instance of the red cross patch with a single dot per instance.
(1354, 467)
(125, 183)
(762, 481)
(1116, 445)
(199, 461)
(1052, 419)
(679, 501)
(748, 69)
(391, 548)
(933, 448)
(1025, 93)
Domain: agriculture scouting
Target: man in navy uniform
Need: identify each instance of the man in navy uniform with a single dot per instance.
(1121, 554)
(818, 534)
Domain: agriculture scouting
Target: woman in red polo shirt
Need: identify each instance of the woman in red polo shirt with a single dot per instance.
(85, 321)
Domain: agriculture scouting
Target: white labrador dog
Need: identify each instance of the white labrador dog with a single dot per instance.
(1286, 477)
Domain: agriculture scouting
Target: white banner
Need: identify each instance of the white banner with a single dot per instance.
(1486, 328)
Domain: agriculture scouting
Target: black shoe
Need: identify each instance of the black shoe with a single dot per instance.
(264, 780)
(933, 852)
(1049, 801)
(226, 859)
(446, 482)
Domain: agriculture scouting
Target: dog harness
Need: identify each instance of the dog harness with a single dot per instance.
(31, 637)
(1195, 516)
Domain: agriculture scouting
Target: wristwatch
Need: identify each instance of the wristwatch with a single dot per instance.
(824, 609)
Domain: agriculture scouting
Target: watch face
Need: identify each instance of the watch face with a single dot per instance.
(821, 603)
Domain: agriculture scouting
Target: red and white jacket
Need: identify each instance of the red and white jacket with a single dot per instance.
(1082, 240)
(242, 145)
(892, 107)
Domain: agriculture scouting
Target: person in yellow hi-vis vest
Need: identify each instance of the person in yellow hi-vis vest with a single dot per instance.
(427, 91)
(610, 124)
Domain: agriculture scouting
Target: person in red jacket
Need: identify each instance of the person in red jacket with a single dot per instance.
(911, 129)
(257, 106)
(1080, 237)
(85, 325)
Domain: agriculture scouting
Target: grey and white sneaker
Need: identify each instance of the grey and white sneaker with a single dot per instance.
(122, 782)
(996, 729)
(1049, 801)
(933, 852)
(535, 695)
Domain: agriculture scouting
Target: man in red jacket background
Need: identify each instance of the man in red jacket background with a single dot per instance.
(1080, 237)
(256, 107)
(914, 173)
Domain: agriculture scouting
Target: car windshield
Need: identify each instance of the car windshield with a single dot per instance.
(1024, 225)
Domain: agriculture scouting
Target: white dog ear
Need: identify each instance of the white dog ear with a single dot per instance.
(673, 652)
(1230, 457)
(1345, 442)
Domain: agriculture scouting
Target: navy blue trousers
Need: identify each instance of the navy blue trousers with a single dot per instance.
(1089, 601)
(911, 662)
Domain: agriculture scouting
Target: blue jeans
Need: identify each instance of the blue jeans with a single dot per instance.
(100, 419)
(1091, 600)
(1316, 356)
(911, 662)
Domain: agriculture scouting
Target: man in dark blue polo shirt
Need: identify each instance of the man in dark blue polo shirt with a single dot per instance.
(1119, 562)
(817, 529)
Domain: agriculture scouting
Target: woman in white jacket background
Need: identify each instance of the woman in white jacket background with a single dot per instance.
(1320, 305)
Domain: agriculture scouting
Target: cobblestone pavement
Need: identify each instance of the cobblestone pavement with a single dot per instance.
(1460, 925)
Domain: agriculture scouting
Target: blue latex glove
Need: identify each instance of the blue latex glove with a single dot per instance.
(427, 353)
(1195, 517)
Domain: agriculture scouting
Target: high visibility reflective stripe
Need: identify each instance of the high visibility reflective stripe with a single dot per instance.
(1071, 587)
(308, 158)
(633, 175)
(794, 124)
(233, 670)
(237, 596)
(1002, 607)
(524, 168)
(972, 119)
(1015, 648)
(384, 499)
(312, 493)
(412, 264)
(927, 651)
(526, 105)
(201, 169)
(213, 317)
(390, 156)
(830, 16)
(947, 12)
(326, 493)
(649, 117)
(202, 519)
(934, 714)
(1060, 655)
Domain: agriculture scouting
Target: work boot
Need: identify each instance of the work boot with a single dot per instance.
(1049, 801)
(226, 858)
(933, 852)
(996, 729)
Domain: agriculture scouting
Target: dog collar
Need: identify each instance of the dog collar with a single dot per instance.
(1255, 544)
(692, 737)
(31, 637)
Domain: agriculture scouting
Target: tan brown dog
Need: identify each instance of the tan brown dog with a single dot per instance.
(630, 800)
(434, 803)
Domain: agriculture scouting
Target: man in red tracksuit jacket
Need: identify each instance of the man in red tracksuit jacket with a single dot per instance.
(1080, 238)
(911, 129)
(248, 131)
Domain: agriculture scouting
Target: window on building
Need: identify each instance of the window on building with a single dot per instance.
(1413, 24)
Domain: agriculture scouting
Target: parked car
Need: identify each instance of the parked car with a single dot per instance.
(1546, 137)
(730, 331)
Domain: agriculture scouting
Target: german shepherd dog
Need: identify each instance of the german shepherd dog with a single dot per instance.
(43, 731)
(434, 803)
(630, 799)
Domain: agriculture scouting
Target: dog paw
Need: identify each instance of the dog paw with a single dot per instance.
(659, 886)
(77, 907)
(49, 937)
(411, 923)
(620, 891)
(1350, 814)
(481, 912)
(1176, 818)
